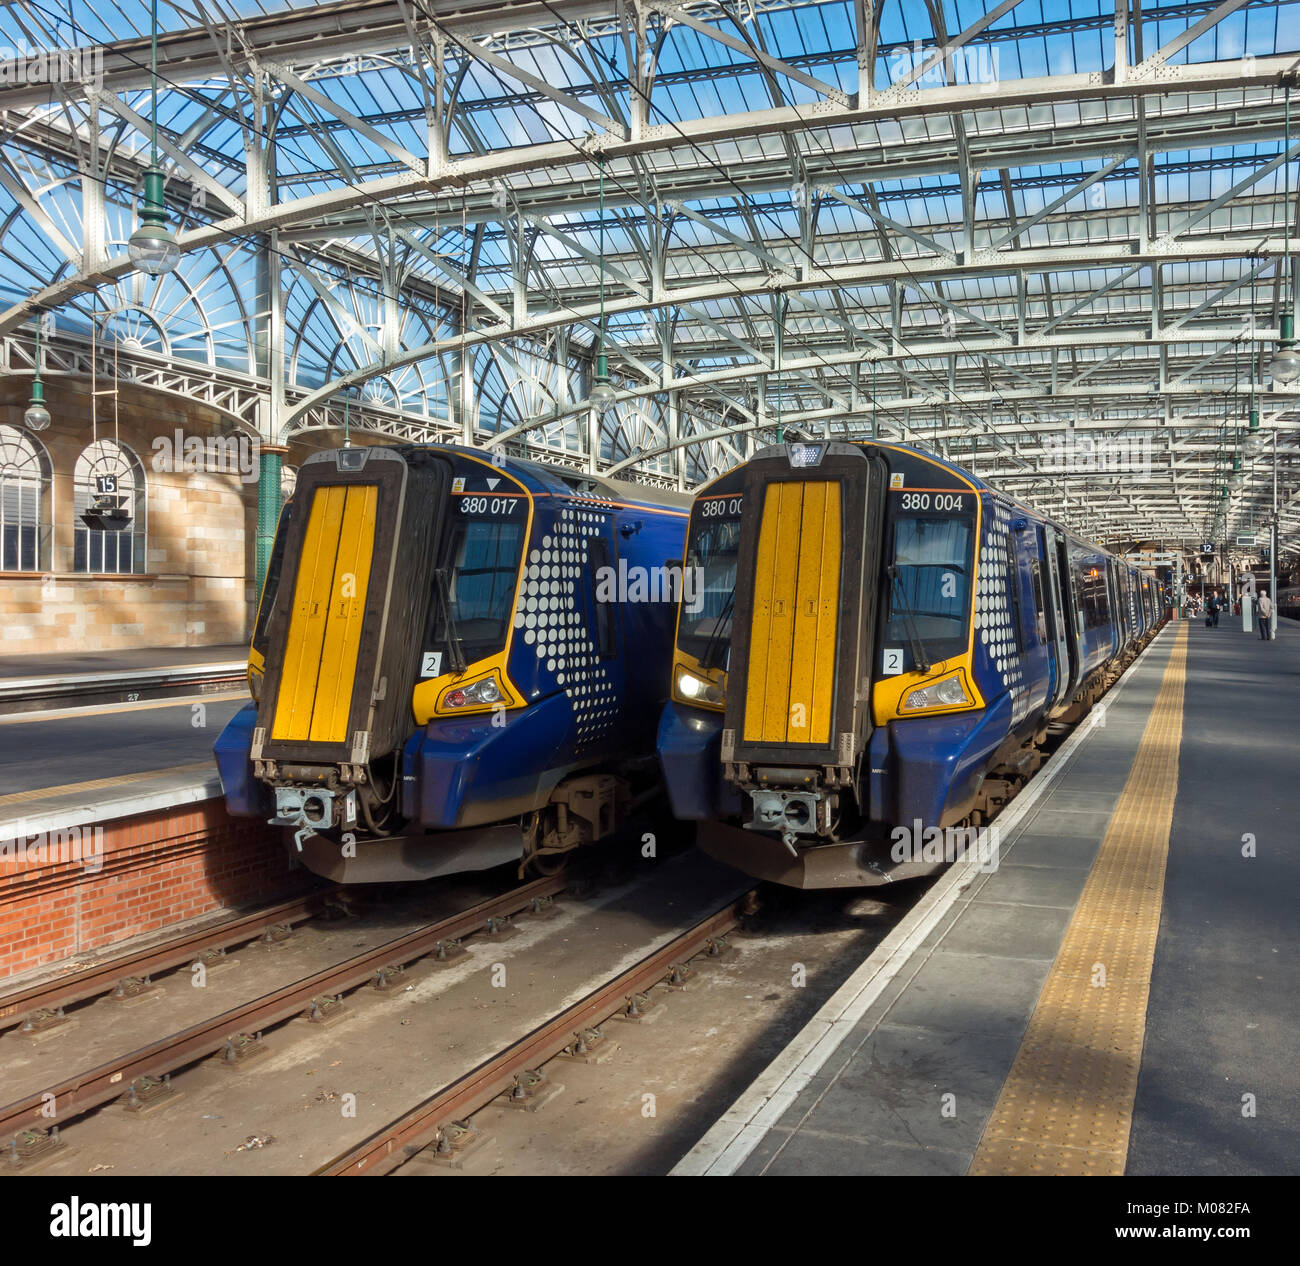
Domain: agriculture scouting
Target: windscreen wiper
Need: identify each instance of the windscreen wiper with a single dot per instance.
(454, 651)
(706, 659)
(919, 653)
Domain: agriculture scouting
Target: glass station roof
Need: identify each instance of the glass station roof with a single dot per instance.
(973, 225)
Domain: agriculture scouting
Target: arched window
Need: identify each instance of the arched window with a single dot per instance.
(108, 468)
(24, 502)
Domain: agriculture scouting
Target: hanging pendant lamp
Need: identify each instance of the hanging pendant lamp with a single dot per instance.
(152, 247)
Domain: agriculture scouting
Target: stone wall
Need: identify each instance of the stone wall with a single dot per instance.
(192, 592)
(199, 585)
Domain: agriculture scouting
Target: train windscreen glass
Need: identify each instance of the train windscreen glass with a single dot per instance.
(480, 574)
(709, 595)
(928, 597)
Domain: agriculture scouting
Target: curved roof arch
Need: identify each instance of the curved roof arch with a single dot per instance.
(992, 228)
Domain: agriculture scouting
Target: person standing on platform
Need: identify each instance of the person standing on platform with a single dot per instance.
(1215, 604)
(1264, 608)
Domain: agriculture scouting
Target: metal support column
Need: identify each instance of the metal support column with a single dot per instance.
(270, 461)
(1272, 548)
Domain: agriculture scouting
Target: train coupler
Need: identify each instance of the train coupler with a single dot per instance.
(314, 809)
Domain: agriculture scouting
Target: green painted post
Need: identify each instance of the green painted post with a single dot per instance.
(268, 507)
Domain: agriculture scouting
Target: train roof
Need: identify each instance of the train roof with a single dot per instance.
(975, 481)
(566, 481)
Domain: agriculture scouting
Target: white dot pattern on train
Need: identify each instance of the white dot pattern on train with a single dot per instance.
(993, 605)
(551, 614)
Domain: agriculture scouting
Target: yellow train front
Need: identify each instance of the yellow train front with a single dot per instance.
(873, 648)
(456, 662)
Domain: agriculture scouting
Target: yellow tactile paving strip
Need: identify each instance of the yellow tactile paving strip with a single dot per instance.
(104, 784)
(1067, 1104)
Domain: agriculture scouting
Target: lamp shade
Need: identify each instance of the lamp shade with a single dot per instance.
(602, 393)
(1285, 365)
(37, 417)
(152, 247)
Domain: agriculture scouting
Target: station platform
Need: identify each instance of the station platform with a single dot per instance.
(48, 686)
(80, 751)
(1116, 995)
(92, 663)
(99, 736)
(112, 821)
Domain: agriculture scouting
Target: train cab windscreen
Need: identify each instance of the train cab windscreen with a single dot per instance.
(712, 550)
(928, 585)
(474, 588)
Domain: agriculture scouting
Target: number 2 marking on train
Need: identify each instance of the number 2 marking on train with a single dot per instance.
(893, 662)
(432, 666)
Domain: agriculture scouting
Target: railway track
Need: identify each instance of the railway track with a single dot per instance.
(41, 1005)
(440, 1121)
(141, 1074)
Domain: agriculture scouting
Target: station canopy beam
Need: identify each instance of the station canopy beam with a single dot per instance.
(1049, 245)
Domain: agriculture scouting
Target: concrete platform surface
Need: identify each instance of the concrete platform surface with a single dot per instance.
(901, 1072)
(44, 757)
(96, 662)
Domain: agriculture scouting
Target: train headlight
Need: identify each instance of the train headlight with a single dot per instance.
(948, 693)
(692, 688)
(478, 694)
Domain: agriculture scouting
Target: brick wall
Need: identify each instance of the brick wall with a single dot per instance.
(157, 870)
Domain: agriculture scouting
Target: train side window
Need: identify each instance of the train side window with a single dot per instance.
(1013, 584)
(1060, 615)
(1078, 586)
(605, 614)
(1036, 576)
(1102, 598)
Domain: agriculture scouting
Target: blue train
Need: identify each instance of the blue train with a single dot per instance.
(879, 648)
(456, 662)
